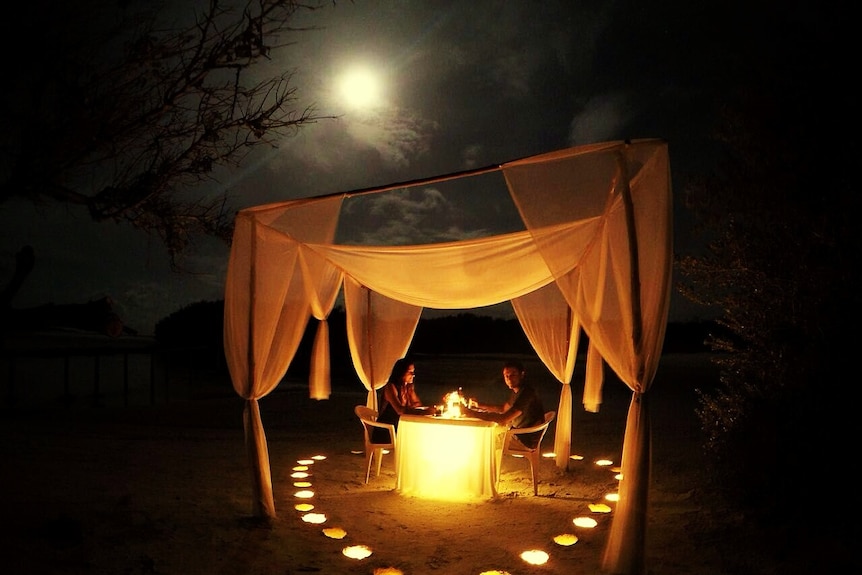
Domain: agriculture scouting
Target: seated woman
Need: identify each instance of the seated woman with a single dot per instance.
(399, 397)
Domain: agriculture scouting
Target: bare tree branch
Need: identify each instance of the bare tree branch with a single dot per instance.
(129, 119)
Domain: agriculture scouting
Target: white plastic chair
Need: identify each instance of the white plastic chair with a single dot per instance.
(532, 455)
(368, 419)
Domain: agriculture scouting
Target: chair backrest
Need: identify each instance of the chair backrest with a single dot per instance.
(365, 412)
(543, 427)
(368, 418)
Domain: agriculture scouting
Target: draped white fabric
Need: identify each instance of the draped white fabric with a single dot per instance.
(379, 331)
(322, 292)
(454, 275)
(554, 333)
(622, 292)
(596, 255)
(266, 310)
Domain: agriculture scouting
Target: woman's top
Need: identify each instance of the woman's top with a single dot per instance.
(397, 399)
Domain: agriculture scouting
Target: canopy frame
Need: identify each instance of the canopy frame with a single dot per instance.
(596, 256)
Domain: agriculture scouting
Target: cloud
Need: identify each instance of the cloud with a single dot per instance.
(602, 118)
(397, 135)
(404, 217)
(353, 151)
(469, 156)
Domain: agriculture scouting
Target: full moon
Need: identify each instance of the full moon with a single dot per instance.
(360, 88)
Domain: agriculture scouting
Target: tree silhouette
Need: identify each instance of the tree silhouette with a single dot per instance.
(112, 110)
(780, 265)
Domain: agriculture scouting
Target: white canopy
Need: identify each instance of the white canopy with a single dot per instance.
(596, 255)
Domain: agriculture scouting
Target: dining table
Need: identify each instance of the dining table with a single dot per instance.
(447, 458)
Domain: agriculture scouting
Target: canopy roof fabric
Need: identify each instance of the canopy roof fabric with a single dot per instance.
(596, 255)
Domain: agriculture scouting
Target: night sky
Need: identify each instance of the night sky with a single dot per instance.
(459, 85)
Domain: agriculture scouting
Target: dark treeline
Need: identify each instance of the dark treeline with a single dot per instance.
(199, 326)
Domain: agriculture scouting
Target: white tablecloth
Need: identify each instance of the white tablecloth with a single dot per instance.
(448, 459)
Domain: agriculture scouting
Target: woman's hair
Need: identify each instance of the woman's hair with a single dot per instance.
(399, 369)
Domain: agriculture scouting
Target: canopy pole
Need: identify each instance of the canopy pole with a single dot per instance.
(252, 302)
(625, 550)
(368, 319)
(562, 459)
(255, 439)
(634, 263)
(419, 182)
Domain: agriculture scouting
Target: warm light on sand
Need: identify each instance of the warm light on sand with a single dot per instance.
(612, 496)
(535, 557)
(599, 508)
(305, 461)
(300, 468)
(356, 551)
(314, 518)
(566, 539)
(576, 457)
(299, 474)
(303, 506)
(304, 494)
(587, 522)
(302, 484)
(604, 462)
(335, 532)
(318, 457)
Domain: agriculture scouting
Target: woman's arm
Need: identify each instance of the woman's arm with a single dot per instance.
(413, 398)
(393, 397)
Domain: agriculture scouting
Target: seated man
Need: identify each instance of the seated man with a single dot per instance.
(523, 408)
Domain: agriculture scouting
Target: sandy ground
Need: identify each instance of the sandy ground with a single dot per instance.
(167, 490)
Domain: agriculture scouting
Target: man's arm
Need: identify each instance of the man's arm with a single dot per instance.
(473, 404)
(504, 418)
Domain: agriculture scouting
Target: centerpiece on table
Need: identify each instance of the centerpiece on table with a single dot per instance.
(452, 404)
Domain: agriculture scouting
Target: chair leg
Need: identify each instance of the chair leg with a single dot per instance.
(534, 464)
(379, 453)
(368, 457)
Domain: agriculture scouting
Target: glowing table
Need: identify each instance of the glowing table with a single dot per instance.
(450, 459)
